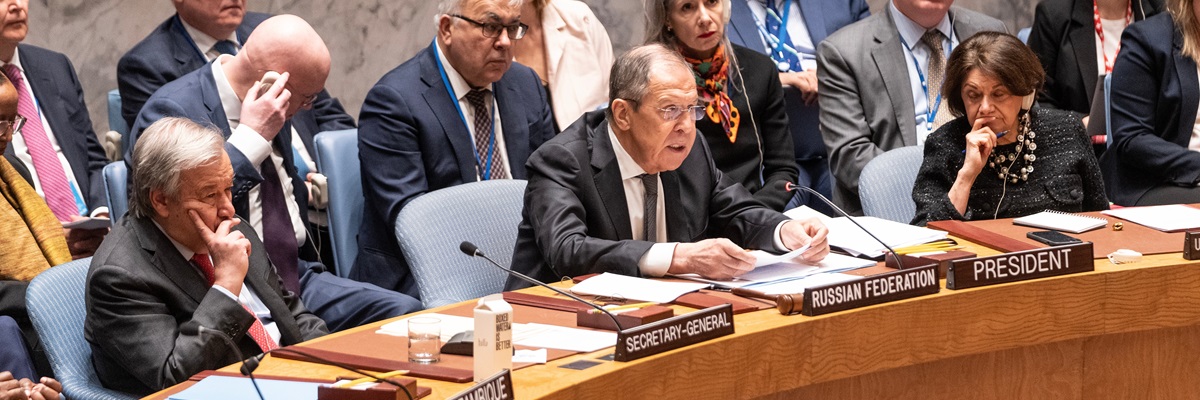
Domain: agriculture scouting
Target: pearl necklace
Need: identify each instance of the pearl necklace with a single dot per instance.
(1023, 153)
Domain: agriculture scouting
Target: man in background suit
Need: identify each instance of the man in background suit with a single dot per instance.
(268, 191)
(200, 31)
(871, 94)
(429, 139)
(633, 190)
(56, 144)
(808, 23)
(142, 289)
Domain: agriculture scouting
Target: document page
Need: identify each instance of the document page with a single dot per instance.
(633, 288)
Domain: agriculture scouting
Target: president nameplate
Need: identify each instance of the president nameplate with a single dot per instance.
(1019, 266)
(673, 333)
(874, 289)
(498, 386)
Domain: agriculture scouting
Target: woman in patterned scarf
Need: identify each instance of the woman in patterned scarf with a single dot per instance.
(745, 122)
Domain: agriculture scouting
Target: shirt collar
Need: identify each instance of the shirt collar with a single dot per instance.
(16, 60)
(629, 167)
(183, 250)
(460, 85)
(205, 42)
(912, 32)
(229, 98)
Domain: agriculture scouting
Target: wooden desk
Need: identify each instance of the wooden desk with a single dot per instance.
(1120, 332)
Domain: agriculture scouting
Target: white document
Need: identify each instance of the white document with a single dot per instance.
(845, 235)
(632, 288)
(764, 258)
(1170, 218)
(529, 356)
(451, 325)
(794, 286)
(562, 338)
(767, 274)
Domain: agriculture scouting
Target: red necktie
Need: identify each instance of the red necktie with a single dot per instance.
(50, 173)
(257, 330)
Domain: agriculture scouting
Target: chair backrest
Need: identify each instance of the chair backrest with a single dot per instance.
(55, 299)
(1023, 34)
(431, 227)
(886, 184)
(116, 121)
(116, 179)
(337, 159)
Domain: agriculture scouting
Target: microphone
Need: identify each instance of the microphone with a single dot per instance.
(792, 187)
(251, 364)
(470, 249)
(194, 328)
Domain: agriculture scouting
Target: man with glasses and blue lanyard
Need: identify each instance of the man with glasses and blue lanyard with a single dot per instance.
(459, 111)
(633, 190)
(880, 83)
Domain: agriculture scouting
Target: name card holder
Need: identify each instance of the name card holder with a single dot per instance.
(941, 259)
(1191, 245)
(498, 386)
(874, 289)
(673, 333)
(380, 391)
(1020, 266)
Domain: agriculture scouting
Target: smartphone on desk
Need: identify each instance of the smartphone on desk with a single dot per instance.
(1053, 238)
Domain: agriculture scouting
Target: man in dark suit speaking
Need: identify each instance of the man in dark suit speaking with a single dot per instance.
(633, 190)
(459, 111)
(182, 256)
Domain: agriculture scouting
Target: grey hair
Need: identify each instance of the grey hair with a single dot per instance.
(163, 151)
(630, 76)
(656, 22)
(455, 6)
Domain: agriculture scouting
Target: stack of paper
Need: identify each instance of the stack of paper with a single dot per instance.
(532, 334)
(1171, 218)
(632, 288)
(788, 271)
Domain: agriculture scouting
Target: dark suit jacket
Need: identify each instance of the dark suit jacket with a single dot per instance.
(412, 141)
(865, 94)
(141, 290)
(1154, 101)
(194, 96)
(1064, 38)
(168, 54)
(576, 221)
(54, 83)
(822, 18)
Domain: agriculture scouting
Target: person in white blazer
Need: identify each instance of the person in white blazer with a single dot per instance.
(570, 51)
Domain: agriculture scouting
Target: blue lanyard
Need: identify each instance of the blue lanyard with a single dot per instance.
(930, 109)
(783, 35)
(483, 168)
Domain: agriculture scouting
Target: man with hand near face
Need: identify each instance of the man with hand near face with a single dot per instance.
(460, 111)
(633, 190)
(180, 256)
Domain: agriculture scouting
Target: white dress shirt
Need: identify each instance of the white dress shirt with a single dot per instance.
(912, 32)
(461, 88)
(205, 43)
(256, 149)
(247, 297)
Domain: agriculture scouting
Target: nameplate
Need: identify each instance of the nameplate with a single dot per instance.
(673, 333)
(874, 289)
(496, 387)
(1191, 246)
(1019, 266)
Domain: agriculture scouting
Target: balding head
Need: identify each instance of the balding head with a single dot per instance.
(8, 111)
(284, 43)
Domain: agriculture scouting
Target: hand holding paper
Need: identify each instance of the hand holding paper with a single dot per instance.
(808, 234)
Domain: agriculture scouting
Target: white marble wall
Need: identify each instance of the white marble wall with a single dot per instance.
(366, 37)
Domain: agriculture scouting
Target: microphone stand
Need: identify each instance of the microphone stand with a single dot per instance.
(792, 187)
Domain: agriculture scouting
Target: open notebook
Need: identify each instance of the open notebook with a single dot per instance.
(1061, 221)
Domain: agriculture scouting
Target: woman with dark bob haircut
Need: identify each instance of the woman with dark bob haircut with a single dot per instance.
(999, 158)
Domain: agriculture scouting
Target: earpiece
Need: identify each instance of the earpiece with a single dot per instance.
(1027, 101)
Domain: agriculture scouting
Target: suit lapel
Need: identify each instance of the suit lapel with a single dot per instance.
(1081, 37)
(516, 130)
(554, 37)
(745, 28)
(184, 49)
(1185, 70)
(441, 104)
(811, 11)
(212, 101)
(607, 177)
(168, 261)
(893, 71)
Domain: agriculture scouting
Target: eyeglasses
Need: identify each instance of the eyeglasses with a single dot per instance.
(673, 112)
(12, 126)
(492, 29)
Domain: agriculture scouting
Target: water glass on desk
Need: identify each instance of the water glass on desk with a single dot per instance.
(424, 340)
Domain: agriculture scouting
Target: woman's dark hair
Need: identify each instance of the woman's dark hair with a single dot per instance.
(999, 55)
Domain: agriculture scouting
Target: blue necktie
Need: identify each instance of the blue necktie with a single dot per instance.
(226, 47)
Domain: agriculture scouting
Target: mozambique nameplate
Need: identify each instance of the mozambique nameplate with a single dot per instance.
(498, 386)
(1019, 266)
(871, 290)
(673, 333)
(1191, 245)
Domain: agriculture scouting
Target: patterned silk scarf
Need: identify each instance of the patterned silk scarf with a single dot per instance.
(712, 75)
(33, 237)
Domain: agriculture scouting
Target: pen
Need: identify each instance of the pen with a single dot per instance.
(370, 379)
(625, 307)
(998, 135)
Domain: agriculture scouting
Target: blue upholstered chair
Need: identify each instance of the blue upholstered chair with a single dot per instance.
(431, 227)
(116, 122)
(55, 299)
(1023, 34)
(886, 184)
(337, 159)
(115, 187)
